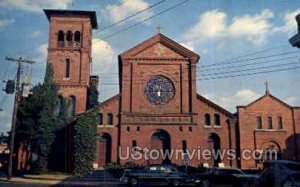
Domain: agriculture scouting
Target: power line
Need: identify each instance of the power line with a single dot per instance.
(241, 65)
(250, 69)
(217, 77)
(132, 15)
(258, 52)
(247, 74)
(113, 74)
(144, 20)
(250, 59)
(127, 28)
(115, 6)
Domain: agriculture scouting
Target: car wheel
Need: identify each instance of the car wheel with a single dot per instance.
(205, 183)
(134, 181)
(176, 182)
(246, 184)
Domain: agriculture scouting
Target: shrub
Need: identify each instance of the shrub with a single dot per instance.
(85, 141)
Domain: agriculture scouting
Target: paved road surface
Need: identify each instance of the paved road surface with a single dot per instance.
(108, 184)
(101, 178)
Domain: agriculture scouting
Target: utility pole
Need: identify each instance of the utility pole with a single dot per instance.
(18, 95)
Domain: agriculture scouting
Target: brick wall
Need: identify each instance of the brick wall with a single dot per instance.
(80, 57)
(253, 138)
(181, 118)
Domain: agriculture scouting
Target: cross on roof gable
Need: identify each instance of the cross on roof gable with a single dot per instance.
(266, 96)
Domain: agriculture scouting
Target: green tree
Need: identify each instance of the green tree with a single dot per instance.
(85, 141)
(28, 118)
(37, 120)
(47, 121)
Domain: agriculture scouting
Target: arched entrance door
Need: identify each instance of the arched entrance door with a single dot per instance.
(104, 147)
(214, 143)
(271, 150)
(161, 143)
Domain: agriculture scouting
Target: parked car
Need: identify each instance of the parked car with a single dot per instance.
(223, 176)
(166, 174)
(279, 173)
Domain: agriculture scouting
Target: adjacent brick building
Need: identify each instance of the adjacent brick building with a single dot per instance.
(158, 107)
(268, 124)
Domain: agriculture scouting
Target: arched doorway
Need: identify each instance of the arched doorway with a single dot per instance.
(160, 142)
(271, 150)
(214, 143)
(104, 150)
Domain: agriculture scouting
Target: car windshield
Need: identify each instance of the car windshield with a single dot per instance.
(167, 168)
(153, 168)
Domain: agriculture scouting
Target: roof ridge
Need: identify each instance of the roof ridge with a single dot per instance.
(214, 105)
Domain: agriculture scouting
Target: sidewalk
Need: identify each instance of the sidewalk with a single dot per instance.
(96, 178)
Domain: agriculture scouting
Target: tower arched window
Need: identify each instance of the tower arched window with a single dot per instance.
(270, 123)
(134, 144)
(280, 123)
(110, 119)
(68, 66)
(99, 119)
(207, 120)
(184, 146)
(217, 120)
(77, 39)
(59, 106)
(69, 39)
(259, 122)
(72, 105)
(60, 38)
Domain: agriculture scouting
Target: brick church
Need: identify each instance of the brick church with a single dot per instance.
(158, 107)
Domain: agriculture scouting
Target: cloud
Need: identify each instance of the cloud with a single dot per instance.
(290, 24)
(211, 24)
(241, 97)
(253, 28)
(115, 13)
(104, 59)
(35, 34)
(293, 101)
(215, 25)
(102, 52)
(38, 69)
(34, 5)
(188, 46)
(5, 22)
(3, 114)
(42, 53)
(105, 65)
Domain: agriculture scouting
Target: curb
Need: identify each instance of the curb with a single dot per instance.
(55, 182)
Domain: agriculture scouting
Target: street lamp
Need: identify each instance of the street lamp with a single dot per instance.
(295, 40)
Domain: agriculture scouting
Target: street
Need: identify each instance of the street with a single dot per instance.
(97, 178)
(106, 184)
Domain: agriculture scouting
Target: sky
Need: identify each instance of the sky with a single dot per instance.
(242, 44)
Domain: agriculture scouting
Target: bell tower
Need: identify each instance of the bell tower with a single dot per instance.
(69, 52)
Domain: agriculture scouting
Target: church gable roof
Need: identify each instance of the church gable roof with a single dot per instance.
(267, 95)
(215, 106)
(110, 100)
(160, 46)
